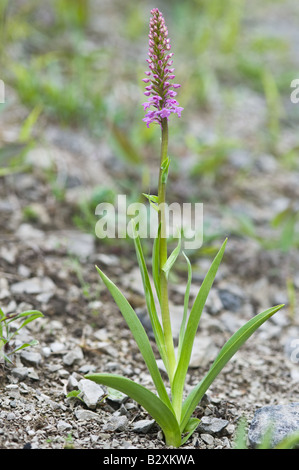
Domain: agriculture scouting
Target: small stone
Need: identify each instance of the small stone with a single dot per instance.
(33, 285)
(143, 426)
(284, 420)
(213, 304)
(63, 426)
(23, 271)
(27, 232)
(230, 300)
(4, 290)
(87, 415)
(20, 372)
(63, 373)
(33, 358)
(204, 351)
(32, 374)
(72, 356)
(57, 347)
(81, 244)
(211, 425)
(87, 369)
(91, 392)
(116, 398)
(207, 438)
(116, 423)
(72, 383)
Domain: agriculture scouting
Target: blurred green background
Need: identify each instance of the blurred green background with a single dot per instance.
(77, 65)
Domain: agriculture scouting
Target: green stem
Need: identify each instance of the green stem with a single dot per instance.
(163, 257)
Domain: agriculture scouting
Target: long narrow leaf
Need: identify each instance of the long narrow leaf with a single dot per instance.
(190, 428)
(191, 329)
(31, 316)
(156, 264)
(153, 404)
(34, 342)
(150, 301)
(139, 334)
(172, 258)
(228, 350)
(186, 304)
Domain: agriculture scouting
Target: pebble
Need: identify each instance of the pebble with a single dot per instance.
(4, 290)
(63, 426)
(204, 351)
(33, 285)
(33, 358)
(87, 415)
(91, 392)
(210, 425)
(116, 423)
(20, 372)
(72, 356)
(72, 383)
(81, 245)
(213, 304)
(143, 426)
(283, 418)
(27, 232)
(57, 347)
(207, 438)
(230, 300)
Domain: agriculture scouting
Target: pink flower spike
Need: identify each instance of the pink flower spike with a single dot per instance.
(160, 91)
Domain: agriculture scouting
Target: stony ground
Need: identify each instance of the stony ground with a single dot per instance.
(48, 264)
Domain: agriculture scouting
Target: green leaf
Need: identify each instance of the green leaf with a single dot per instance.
(186, 304)
(34, 342)
(191, 329)
(241, 437)
(31, 314)
(150, 302)
(156, 264)
(153, 404)
(165, 168)
(289, 442)
(153, 200)
(172, 258)
(75, 394)
(228, 350)
(190, 428)
(139, 334)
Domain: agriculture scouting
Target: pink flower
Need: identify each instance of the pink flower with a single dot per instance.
(159, 91)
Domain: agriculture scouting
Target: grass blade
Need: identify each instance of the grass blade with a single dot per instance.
(228, 350)
(153, 404)
(191, 329)
(139, 334)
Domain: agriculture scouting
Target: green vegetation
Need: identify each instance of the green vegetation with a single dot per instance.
(67, 69)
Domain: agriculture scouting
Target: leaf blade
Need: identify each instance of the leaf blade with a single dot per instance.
(139, 334)
(149, 298)
(153, 404)
(192, 325)
(228, 350)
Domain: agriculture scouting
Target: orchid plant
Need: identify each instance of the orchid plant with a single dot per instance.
(173, 412)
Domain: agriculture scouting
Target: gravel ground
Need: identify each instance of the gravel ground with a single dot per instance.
(47, 264)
